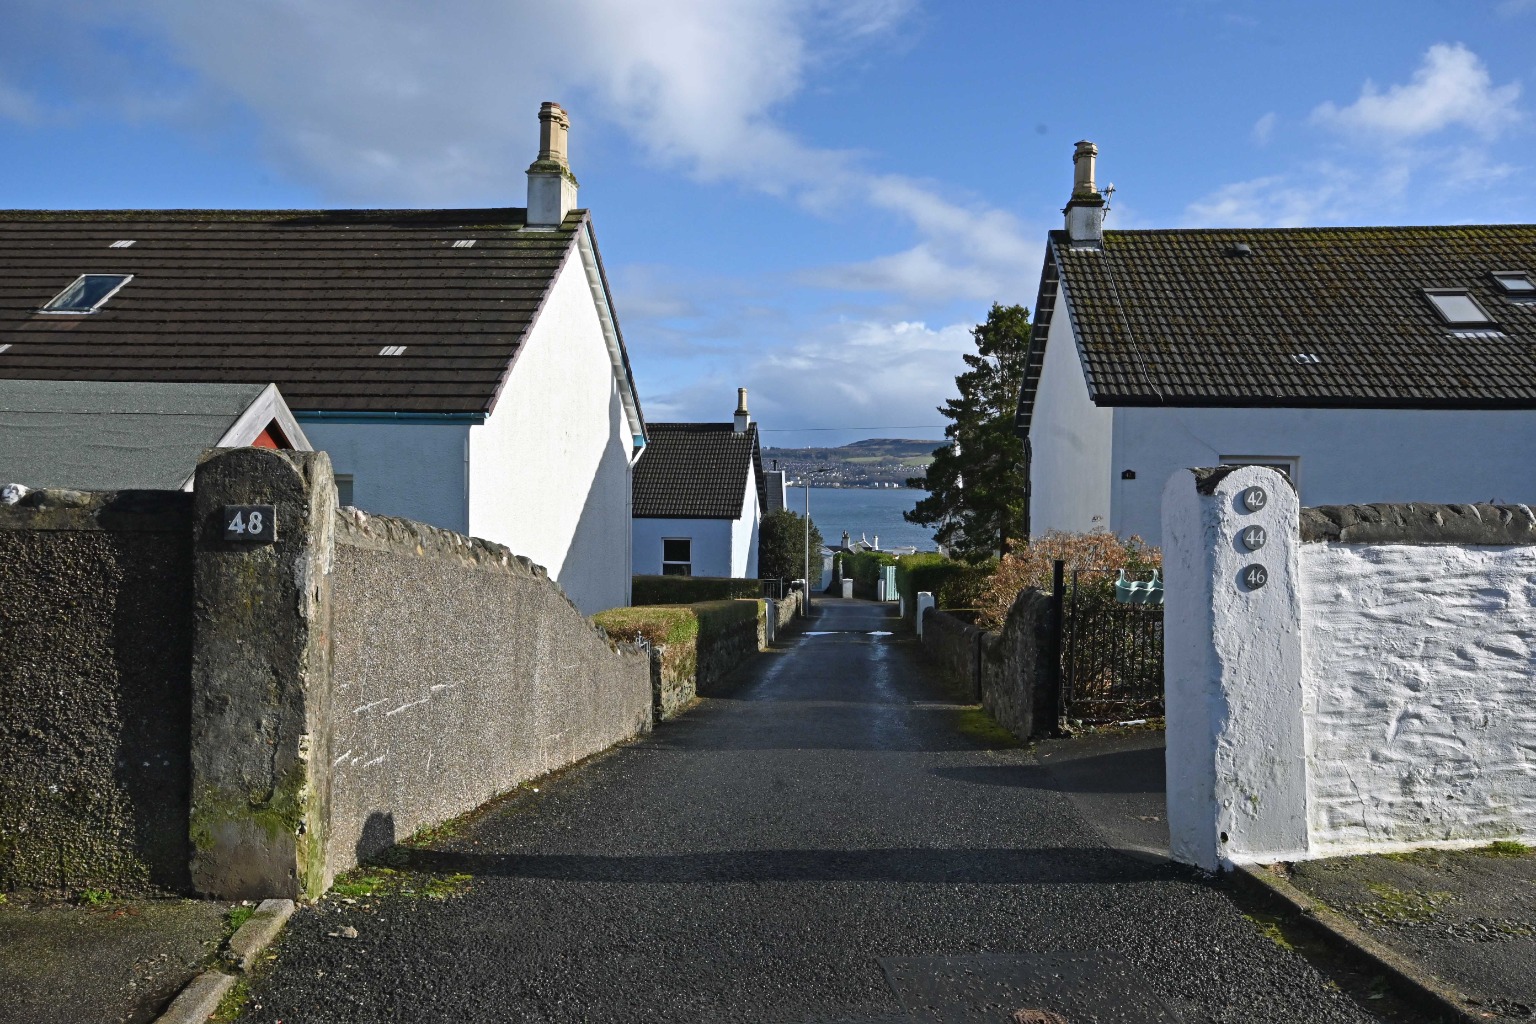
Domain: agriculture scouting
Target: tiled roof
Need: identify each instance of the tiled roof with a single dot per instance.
(1312, 317)
(696, 471)
(305, 299)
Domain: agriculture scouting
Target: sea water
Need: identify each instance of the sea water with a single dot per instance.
(866, 511)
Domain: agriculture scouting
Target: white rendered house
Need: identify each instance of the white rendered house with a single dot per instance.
(1370, 364)
(463, 368)
(699, 494)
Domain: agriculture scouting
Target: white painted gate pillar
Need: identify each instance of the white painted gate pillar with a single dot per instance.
(1237, 769)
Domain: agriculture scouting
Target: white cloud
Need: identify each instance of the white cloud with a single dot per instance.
(1264, 128)
(851, 373)
(1450, 88)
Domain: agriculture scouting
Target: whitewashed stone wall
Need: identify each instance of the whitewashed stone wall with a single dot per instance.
(1377, 693)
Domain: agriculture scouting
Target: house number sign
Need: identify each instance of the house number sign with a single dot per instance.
(1255, 499)
(1254, 537)
(1255, 576)
(254, 524)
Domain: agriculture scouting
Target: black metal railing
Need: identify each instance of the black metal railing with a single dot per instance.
(1111, 652)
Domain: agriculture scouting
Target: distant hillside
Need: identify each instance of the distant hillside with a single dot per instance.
(876, 462)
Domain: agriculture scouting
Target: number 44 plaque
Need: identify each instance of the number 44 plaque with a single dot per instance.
(253, 524)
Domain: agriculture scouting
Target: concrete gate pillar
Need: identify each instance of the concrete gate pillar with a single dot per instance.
(261, 673)
(1237, 769)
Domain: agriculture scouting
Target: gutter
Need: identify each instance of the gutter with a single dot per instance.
(429, 418)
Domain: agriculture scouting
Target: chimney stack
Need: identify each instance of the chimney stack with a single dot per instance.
(742, 416)
(551, 185)
(1085, 210)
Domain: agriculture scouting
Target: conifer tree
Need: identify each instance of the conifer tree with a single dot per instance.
(976, 482)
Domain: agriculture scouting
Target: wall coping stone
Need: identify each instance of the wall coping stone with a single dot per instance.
(61, 510)
(1420, 523)
(1207, 478)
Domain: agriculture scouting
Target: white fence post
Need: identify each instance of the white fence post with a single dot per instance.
(1237, 771)
(924, 602)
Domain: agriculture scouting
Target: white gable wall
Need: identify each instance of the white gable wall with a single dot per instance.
(1069, 440)
(712, 544)
(400, 468)
(744, 534)
(1345, 456)
(549, 469)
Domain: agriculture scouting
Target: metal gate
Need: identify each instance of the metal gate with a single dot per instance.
(1111, 651)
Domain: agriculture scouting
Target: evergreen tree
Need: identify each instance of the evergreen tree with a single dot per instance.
(976, 483)
(781, 547)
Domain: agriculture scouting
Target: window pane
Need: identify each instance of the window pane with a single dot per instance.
(677, 550)
(676, 569)
(86, 293)
(343, 489)
(1519, 284)
(1458, 308)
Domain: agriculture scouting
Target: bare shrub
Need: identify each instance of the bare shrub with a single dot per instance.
(1029, 565)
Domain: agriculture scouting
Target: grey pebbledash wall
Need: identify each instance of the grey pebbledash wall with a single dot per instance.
(459, 671)
(244, 719)
(364, 677)
(95, 662)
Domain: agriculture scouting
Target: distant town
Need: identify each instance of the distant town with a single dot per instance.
(878, 462)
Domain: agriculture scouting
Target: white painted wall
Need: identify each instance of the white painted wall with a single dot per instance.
(1236, 742)
(1420, 679)
(712, 544)
(417, 471)
(1070, 440)
(744, 533)
(1346, 456)
(550, 470)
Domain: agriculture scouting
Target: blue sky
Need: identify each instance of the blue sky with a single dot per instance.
(812, 198)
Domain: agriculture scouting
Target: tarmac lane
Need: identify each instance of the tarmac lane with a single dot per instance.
(825, 843)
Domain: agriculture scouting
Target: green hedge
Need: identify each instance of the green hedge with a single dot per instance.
(681, 628)
(676, 623)
(952, 584)
(863, 568)
(649, 590)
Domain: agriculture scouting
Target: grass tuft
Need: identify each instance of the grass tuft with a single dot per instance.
(1505, 848)
(975, 723)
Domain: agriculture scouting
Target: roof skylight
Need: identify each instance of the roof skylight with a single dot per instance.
(1515, 282)
(392, 350)
(122, 243)
(464, 243)
(87, 293)
(1456, 306)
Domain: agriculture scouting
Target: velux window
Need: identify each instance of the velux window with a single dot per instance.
(87, 293)
(1456, 306)
(1516, 283)
(677, 556)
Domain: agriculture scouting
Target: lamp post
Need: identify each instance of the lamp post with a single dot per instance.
(807, 481)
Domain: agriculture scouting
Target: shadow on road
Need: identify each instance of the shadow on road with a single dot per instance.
(1122, 771)
(1025, 866)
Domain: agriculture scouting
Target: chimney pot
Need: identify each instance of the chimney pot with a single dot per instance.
(1085, 210)
(743, 418)
(551, 186)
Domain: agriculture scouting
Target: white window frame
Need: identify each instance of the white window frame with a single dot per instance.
(1465, 293)
(84, 312)
(1290, 465)
(1502, 277)
(665, 562)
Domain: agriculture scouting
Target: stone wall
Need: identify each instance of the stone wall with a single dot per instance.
(1011, 673)
(955, 647)
(1018, 680)
(724, 648)
(459, 671)
(95, 663)
(1370, 688)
